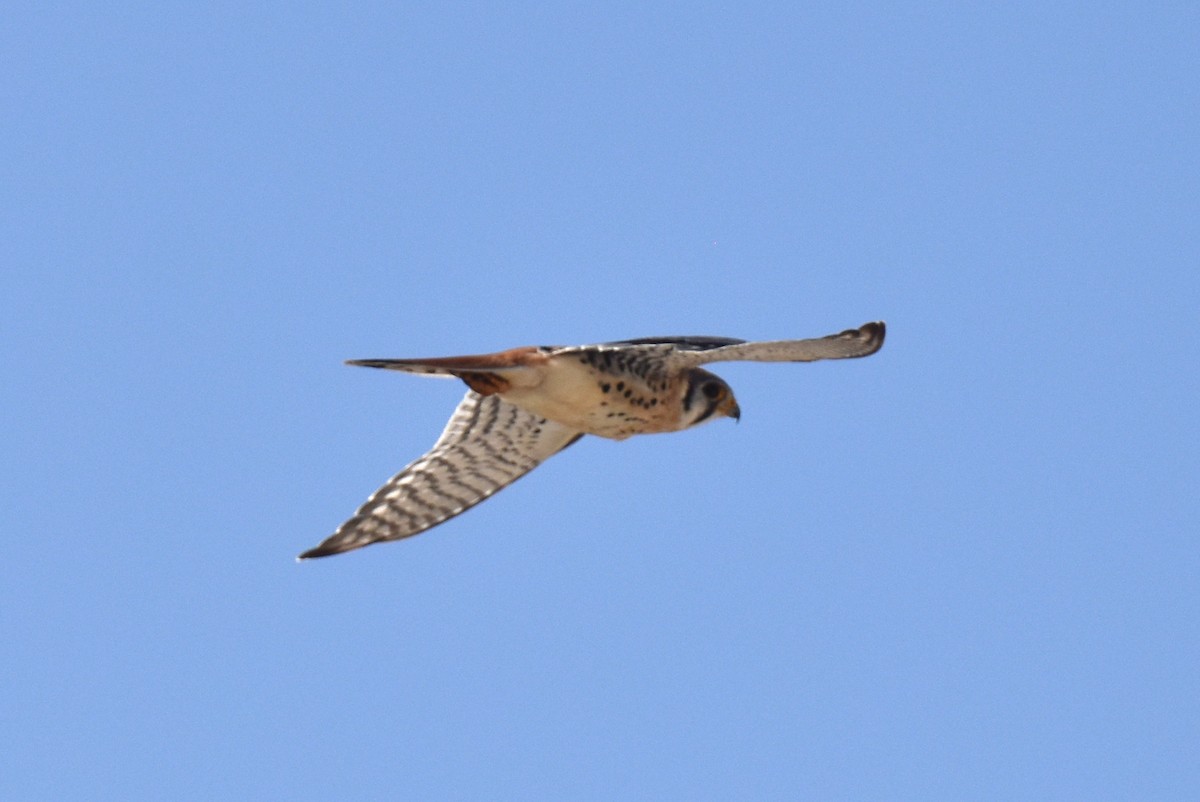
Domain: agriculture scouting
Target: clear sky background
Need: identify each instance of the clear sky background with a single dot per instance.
(964, 568)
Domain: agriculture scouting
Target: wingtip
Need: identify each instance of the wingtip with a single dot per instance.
(874, 333)
(316, 552)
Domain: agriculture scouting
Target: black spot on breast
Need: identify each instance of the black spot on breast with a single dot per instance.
(605, 387)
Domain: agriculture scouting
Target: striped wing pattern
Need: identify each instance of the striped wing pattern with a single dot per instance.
(487, 445)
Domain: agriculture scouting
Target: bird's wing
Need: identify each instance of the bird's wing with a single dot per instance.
(487, 445)
(863, 341)
(686, 343)
(648, 357)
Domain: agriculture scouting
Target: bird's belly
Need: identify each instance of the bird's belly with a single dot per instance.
(587, 401)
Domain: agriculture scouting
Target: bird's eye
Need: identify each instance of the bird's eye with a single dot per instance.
(711, 390)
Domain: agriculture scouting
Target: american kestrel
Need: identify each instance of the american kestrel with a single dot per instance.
(527, 404)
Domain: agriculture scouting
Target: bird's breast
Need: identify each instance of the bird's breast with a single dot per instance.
(575, 392)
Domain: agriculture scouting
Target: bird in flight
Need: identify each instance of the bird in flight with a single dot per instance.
(527, 404)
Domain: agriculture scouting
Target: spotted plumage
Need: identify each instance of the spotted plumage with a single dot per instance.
(526, 404)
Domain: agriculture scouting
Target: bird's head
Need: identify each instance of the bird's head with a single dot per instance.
(707, 397)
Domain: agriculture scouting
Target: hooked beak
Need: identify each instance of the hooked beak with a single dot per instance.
(731, 410)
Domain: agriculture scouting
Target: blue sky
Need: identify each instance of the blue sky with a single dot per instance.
(967, 567)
